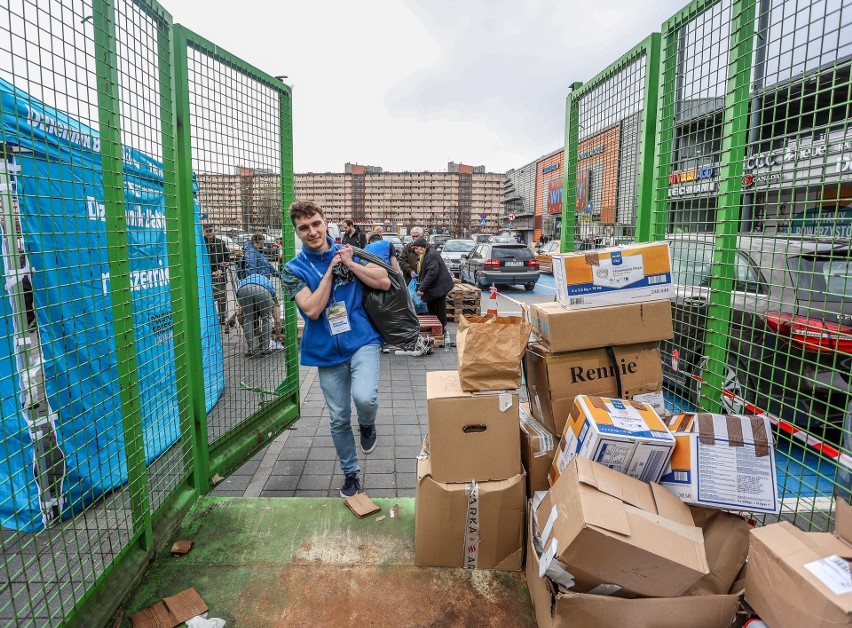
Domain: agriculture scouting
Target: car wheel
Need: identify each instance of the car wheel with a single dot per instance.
(480, 281)
(529, 287)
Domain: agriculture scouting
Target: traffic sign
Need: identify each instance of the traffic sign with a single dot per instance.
(483, 216)
(511, 217)
(483, 222)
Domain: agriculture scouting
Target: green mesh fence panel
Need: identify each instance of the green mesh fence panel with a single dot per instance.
(610, 112)
(752, 176)
(235, 116)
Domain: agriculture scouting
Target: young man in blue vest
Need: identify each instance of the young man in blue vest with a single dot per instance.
(325, 281)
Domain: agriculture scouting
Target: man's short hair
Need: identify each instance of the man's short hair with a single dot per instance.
(304, 209)
(348, 222)
(374, 237)
(258, 237)
(417, 231)
(208, 227)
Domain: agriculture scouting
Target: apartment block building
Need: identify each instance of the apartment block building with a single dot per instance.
(460, 201)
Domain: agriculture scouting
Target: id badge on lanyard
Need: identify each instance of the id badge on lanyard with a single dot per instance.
(338, 318)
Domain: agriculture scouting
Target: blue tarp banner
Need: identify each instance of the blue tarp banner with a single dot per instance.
(60, 195)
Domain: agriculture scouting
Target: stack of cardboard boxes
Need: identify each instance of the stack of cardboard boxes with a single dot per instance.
(611, 537)
(471, 489)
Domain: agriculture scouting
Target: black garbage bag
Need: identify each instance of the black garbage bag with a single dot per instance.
(391, 311)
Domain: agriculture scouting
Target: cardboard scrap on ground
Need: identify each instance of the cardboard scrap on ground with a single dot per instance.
(361, 505)
(171, 611)
(182, 547)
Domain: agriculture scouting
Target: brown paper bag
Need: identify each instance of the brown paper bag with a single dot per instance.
(490, 351)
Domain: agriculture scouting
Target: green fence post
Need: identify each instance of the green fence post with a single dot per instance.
(291, 381)
(188, 313)
(569, 173)
(112, 165)
(663, 154)
(734, 139)
(645, 181)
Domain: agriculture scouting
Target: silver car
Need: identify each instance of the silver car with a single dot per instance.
(452, 252)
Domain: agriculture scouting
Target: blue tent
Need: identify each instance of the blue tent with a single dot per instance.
(55, 170)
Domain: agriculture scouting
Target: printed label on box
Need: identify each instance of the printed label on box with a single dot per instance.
(735, 476)
(655, 399)
(614, 454)
(611, 275)
(833, 572)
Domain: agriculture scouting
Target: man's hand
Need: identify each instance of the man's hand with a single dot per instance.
(345, 255)
(334, 262)
(420, 293)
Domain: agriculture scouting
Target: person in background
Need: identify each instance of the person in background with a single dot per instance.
(378, 246)
(409, 258)
(254, 272)
(326, 282)
(434, 280)
(217, 251)
(352, 235)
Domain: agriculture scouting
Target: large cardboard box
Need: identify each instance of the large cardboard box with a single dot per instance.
(556, 608)
(627, 436)
(609, 529)
(560, 329)
(554, 379)
(472, 436)
(475, 525)
(797, 578)
(538, 447)
(626, 274)
(723, 461)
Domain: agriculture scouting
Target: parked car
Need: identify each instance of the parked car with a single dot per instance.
(790, 341)
(407, 240)
(493, 263)
(393, 239)
(453, 251)
(502, 240)
(545, 262)
(234, 249)
(438, 241)
(480, 238)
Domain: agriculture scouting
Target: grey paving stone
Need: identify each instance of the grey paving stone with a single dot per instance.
(281, 483)
(382, 492)
(276, 493)
(414, 440)
(249, 468)
(293, 453)
(314, 483)
(379, 480)
(404, 428)
(322, 453)
(319, 467)
(406, 481)
(371, 465)
(288, 467)
(235, 483)
(299, 442)
(406, 465)
(313, 493)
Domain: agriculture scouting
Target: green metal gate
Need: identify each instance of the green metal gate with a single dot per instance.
(748, 180)
(123, 398)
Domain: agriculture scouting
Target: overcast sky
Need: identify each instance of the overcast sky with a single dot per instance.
(411, 85)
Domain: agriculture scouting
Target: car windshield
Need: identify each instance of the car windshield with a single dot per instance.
(823, 276)
(392, 237)
(692, 263)
(502, 240)
(519, 252)
(458, 246)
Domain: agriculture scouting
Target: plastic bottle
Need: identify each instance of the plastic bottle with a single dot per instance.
(446, 340)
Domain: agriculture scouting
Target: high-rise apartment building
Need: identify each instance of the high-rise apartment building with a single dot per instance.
(462, 200)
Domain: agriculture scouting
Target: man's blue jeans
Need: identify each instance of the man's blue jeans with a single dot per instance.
(357, 379)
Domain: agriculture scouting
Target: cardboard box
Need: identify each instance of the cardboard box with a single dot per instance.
(723, 461)
(726, 546)
(538, 446)
(627, 274)
(554, 379)
(626, 436)
(797, 578)
(609, 529)
(475, 525)
(472, 436)
(556, 608)
(560, 329)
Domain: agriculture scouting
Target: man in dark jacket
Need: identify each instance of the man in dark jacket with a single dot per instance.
(434, 280)
(352, 235)
(217, 251)
(408, 258)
